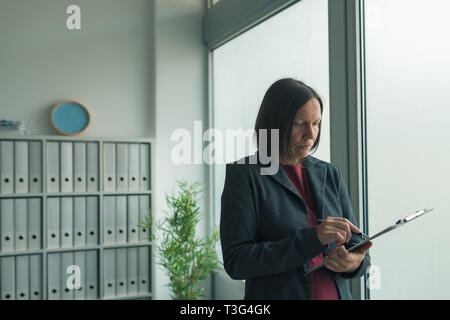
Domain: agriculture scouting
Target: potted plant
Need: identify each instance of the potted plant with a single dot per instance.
(186, 258)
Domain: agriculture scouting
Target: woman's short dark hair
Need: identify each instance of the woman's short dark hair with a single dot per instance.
(278, 109)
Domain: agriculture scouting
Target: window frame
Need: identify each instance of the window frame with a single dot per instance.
(230, 18)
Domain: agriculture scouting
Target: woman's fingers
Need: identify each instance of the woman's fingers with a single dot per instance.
(364, 248)
(330, 264)
(333, 265)
(339, 229)
(340, 260)
(343, 229)
(346, 226)
(342, 255)
(353, 227)
(336, 234)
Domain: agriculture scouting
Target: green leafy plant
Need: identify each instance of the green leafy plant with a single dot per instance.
(186, 258)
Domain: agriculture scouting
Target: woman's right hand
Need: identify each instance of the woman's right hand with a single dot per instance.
(339, 229)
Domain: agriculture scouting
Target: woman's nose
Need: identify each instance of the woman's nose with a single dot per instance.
(309, 132)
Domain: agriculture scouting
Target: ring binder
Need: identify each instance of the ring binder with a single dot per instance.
(55, 202)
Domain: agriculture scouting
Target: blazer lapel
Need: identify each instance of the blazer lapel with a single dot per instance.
(316, 176)
(282, 178)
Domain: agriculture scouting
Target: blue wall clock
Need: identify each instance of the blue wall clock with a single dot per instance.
(70, 118)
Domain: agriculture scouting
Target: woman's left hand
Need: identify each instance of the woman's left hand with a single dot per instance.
(340, 260)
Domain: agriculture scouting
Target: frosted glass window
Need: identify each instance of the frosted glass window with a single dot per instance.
(408, 134)
(293, 43)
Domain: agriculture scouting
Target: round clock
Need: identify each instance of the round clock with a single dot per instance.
(70, 118)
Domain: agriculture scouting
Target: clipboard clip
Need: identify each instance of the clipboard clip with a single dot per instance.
(414, 215)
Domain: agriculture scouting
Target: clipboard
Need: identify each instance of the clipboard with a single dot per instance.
(365, 239)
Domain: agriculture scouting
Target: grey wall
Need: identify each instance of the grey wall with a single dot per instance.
(180, 86)
(107, 65)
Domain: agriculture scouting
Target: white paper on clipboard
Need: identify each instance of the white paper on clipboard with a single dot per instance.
(398, 224)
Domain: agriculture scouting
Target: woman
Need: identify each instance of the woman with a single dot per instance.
(275, 228)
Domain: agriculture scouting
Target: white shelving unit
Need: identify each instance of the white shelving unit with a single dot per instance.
(74, 202)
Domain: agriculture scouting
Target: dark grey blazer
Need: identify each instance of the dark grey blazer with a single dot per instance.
(264, 228)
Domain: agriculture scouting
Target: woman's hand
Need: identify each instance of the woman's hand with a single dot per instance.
(339, 229)
(340, 260)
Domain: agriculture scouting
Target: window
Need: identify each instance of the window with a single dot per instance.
(407, 65)
(293, 43)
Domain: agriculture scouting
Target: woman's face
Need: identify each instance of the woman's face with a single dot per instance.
(305, 128)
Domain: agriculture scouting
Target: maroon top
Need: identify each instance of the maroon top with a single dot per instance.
(324, 287)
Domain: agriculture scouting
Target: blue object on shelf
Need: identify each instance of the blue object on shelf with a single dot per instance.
(70, 118)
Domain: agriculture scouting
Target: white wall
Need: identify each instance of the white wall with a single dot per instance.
(180, 87)
(107, 65)
(138, 65)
